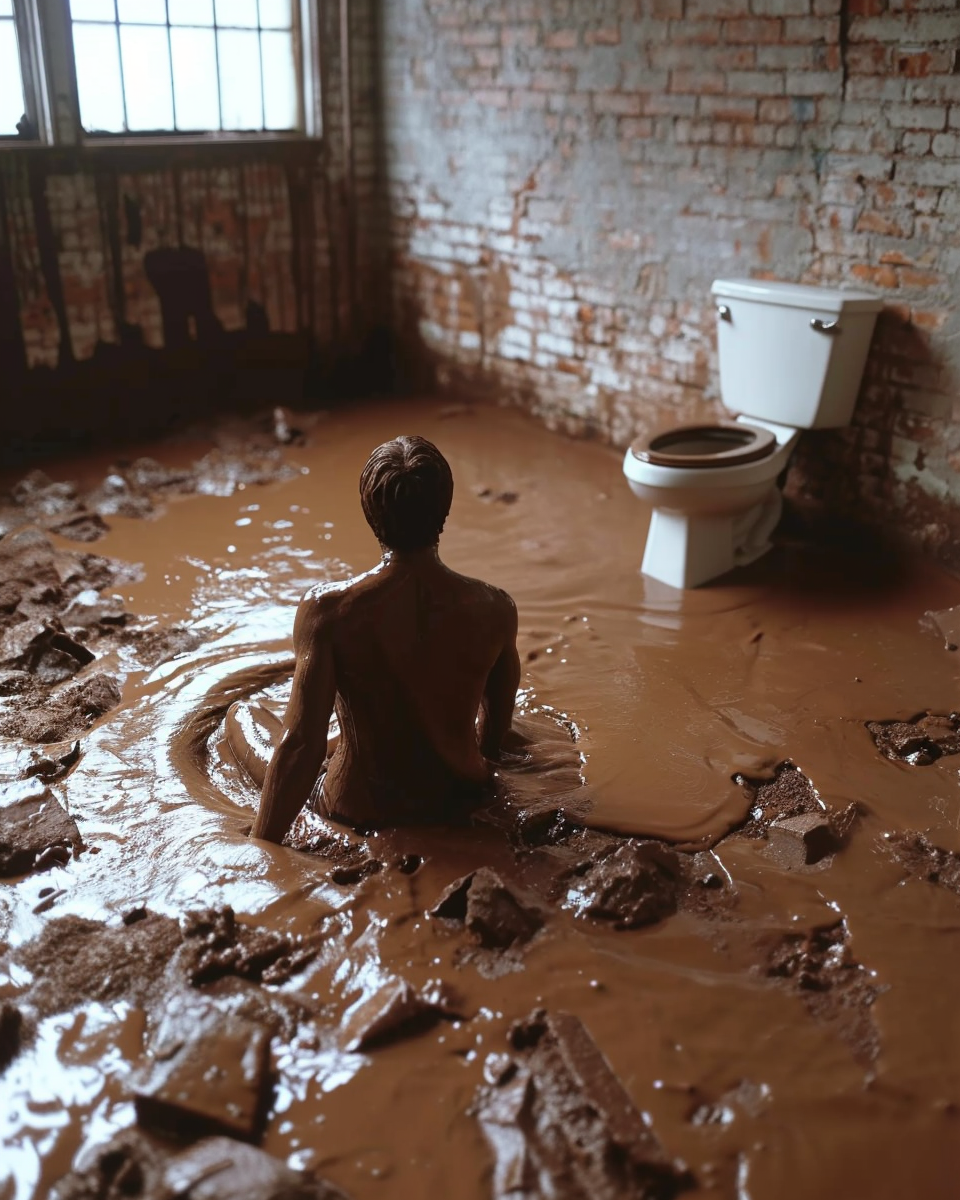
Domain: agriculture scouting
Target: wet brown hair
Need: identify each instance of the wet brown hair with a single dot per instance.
(406, 489)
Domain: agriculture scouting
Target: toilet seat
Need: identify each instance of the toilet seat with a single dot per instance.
(723, 444)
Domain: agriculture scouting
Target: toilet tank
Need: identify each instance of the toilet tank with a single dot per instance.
(790, 353)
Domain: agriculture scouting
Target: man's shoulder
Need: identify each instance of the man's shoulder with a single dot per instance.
(488, 593)
(324, 601)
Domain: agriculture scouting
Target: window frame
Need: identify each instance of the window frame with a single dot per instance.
(52, 102)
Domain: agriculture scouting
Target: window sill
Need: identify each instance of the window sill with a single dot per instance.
(129, 141)
(163, 147)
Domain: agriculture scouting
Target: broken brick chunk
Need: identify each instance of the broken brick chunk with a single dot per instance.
(488, 909)
(209, 1074)
(807, 839)
(35, 830)
(397, 1010)
(220, 1169)
(560, 1122)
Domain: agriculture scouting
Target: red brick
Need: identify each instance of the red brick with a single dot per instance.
(618, 104)
(520, 35)
(562, 39)
(753, 30)
(698, 83)
(919, 279)
(874, 222)
(603, 37)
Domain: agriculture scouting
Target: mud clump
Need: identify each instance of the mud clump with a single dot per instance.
(560, 1123)
(921, 859)
(216, 945)
(498, 924)
(62, 715)
(920, 741)
(490, 912)
(348, 853)
(134, 1166)
(36, 832)
(630, 883)
(52, 656)
(490, 495)
(788, 812)
(75, 960)
(835, 988)
(37, 499)
(155, 646)
(84, 527)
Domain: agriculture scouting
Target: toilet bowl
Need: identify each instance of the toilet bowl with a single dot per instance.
(791, 358)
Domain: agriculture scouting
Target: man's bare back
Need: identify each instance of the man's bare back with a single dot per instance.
(409, 654)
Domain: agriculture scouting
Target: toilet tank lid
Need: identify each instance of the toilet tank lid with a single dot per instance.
(797, 295)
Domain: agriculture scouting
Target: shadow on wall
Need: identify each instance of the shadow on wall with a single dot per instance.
(72, 265)
(902, 421)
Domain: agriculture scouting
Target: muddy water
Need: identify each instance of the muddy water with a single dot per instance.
(669, 696)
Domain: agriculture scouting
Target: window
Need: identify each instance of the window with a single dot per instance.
(168, 67)
(12, 103)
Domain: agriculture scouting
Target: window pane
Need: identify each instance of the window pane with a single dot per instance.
(276, 14)
(279, 81)
(237, 12)
(240, 79)
(191, 12)
(98, 78)
(146, 77)
(143, 12)
(11, 89)
(93, 10)
(195, 78)
(6, 8)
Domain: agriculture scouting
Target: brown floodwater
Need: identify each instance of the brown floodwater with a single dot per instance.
(661, 699)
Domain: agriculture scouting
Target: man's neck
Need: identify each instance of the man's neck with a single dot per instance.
(423, 559)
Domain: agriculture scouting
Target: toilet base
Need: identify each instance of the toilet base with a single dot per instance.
(686, 551)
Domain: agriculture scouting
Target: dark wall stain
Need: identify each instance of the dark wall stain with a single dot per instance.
(49, 264)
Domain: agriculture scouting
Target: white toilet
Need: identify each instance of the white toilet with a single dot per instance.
(791, 358)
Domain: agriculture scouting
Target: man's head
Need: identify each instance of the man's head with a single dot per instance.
(406, 489)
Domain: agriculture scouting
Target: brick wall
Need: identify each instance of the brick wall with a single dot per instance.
(567, 177)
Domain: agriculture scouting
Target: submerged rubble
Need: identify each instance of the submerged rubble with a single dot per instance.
(247, 453)
(787, 812)
(631, 883)
(55, 625)
(920, 741)
(560, 1123)
(921, 859)
(217, 945)
(207, 1072)
(135, 1166)
(498, 923)
(398, 1009)
(835, 988)
(36, 831)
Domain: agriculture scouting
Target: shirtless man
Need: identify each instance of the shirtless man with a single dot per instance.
(409, 654)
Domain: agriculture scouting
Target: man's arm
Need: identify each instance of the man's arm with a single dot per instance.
(302, 748)
(500, 693)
